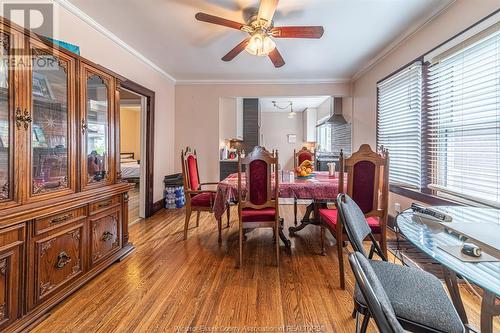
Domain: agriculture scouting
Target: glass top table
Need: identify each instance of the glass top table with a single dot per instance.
(482, 224)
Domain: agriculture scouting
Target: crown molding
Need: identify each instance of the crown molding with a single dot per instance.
(96, 26)
(408, 34)
(242, 82)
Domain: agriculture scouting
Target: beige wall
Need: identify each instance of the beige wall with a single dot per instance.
(459, 16)
(275, 129)
(197, 114)
(130, 131)
(102, 50)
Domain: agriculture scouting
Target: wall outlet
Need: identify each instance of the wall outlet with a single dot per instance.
(397, 207)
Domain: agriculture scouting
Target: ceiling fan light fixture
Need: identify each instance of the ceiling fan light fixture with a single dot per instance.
(260, 45)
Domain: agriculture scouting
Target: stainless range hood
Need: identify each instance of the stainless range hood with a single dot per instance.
(336, 118)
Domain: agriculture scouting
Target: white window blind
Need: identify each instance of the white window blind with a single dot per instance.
(463, 117)
(399, 124)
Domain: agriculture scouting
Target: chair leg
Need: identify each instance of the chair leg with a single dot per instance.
(383, 244)
(372, 251)
(322, 240)
(340, 252)
(240, 240)
(219, 226)
(277, 242)
(364, 324)
(186, 222)
(198, 218)
(295, 211)
(356, 316)
(228, 212)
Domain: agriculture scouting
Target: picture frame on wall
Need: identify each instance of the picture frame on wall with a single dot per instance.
(292, 138)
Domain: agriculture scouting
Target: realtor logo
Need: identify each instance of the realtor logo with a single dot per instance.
(36, 16)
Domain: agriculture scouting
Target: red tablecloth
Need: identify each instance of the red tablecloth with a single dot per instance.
(320, 187)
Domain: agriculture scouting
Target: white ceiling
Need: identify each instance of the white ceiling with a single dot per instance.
(299, 103)
(166, 32)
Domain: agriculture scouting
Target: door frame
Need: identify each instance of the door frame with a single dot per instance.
(150, 139)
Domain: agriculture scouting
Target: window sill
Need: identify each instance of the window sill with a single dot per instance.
(425, 196)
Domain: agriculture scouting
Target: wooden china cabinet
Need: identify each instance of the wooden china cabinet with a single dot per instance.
(63, 207)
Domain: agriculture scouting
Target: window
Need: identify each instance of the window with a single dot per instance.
(463, 94)
(440, 118)
(324, 137)
(399, 124)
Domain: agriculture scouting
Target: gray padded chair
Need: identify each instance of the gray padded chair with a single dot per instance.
(377, 300)
(418, 298)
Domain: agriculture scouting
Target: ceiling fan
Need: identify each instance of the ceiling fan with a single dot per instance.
(260, 27)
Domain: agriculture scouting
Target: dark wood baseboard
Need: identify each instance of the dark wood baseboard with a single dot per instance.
(159, 205)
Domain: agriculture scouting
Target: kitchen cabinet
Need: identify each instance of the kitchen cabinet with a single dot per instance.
(309, 118)
(231, 119)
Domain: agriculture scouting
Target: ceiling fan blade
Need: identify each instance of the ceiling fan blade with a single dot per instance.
(298, 32)
(237, 50)
(218, 20)
(266, 11)
(276, 58)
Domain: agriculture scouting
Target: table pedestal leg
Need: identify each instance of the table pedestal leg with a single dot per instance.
(489, 309)
(450, 277)
(285, 240)
(307, 220)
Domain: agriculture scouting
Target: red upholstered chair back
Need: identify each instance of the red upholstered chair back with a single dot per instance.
(367, 180)
(302, 155)
(259, 192)
(190, 169)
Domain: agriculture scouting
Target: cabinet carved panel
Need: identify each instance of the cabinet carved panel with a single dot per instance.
(58, 260)
(12, 242)
(105, 234)
(4, 286)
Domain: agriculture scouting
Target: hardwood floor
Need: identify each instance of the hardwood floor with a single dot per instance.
(168, 285)
(133, 204)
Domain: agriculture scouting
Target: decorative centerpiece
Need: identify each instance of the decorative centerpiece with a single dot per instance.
(305, 170)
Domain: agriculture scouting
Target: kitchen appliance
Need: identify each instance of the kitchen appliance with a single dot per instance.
(324, 158)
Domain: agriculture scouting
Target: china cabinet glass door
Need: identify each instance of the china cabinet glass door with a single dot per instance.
(96, 128)
(52, 113)
(6, 122)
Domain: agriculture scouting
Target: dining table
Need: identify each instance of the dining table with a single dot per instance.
(319, 188)
(443, 242)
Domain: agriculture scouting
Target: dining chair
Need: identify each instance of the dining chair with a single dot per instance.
(368, 186)
(299, 157)
(376, 298)
(197, 199)
(419, 299)
(258, 200)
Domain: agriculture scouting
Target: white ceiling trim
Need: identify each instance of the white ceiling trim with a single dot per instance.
(399, 41)
(91, 22)
(284, 81)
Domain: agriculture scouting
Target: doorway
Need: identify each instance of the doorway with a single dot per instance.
(136, 147)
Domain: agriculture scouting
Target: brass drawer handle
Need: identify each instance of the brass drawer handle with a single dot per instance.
(61, 218)
(84, 126)
(107, 236)
(62, 260)
(23, 118)
(104, 204)
(19, 118)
